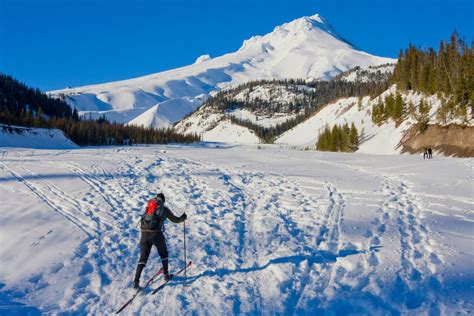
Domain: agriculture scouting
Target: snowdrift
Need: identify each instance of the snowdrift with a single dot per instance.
(16, 136)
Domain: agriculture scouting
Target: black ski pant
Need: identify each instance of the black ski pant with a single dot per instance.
(147, 240)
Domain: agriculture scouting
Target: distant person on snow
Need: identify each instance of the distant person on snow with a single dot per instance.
(430, 153)
(425, 153)
(151, 226)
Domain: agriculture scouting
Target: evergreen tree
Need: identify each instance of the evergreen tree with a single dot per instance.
(338, 138)
(398, 111)
(389, 107)
(423, 115)
(354, 137)
(411, 110)
(448, 72)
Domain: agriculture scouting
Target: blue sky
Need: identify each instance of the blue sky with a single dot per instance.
(51, 44)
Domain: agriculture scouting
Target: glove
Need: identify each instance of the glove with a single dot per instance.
(184, 217)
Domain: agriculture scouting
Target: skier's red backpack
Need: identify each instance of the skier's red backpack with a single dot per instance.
(152, 220)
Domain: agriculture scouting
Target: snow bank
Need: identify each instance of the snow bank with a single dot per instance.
(16, 136)
(227, 132)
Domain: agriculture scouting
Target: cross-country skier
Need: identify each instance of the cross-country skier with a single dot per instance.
(152, 234)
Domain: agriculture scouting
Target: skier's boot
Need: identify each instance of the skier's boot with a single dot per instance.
(168, 276)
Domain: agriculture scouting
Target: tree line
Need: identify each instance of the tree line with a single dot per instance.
(373, 73)
(448, 72)
(267, 134)
(395, 108)
(309, 96)
(23, 106)
(390, 107)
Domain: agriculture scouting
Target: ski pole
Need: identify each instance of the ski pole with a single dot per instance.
(185, 262)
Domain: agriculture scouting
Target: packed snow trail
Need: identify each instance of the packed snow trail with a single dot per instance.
(271, 231)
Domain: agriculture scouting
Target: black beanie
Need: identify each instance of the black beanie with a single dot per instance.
(161, 196)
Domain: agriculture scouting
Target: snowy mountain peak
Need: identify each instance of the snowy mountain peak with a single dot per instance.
(318, 18)
(316, 21)
(292, 33)
(307, 23)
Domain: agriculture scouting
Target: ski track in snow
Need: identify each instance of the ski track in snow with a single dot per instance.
(261, 243)
(416, 279)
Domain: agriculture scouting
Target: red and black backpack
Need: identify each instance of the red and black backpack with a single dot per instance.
(153, 218)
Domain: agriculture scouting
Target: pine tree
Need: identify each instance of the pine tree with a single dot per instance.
(398, 111)
(423, 115)
(324, 140)
(411, 110)
(75, 115)
(354, 137)
(389, 107)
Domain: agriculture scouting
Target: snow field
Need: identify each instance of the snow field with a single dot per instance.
(270, 231)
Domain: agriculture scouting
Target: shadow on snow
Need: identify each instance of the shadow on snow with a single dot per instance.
(318, 257)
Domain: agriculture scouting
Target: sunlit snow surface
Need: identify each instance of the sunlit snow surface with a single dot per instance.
(270, 231)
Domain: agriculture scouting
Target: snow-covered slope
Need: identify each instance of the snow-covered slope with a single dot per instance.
(214, 127)
(205, 120)
(270, 231)
(377, 139)
(166, 113)
(16, 136)
(384, 139)
(304, 48)
(227, 132)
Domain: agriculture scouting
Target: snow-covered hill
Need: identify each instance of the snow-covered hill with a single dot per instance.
(17, 136)
(282, 103)
(384, 139)
(304, 48)
(270, 231)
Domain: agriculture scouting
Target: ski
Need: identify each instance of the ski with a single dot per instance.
(139, 290)
(172, 276)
